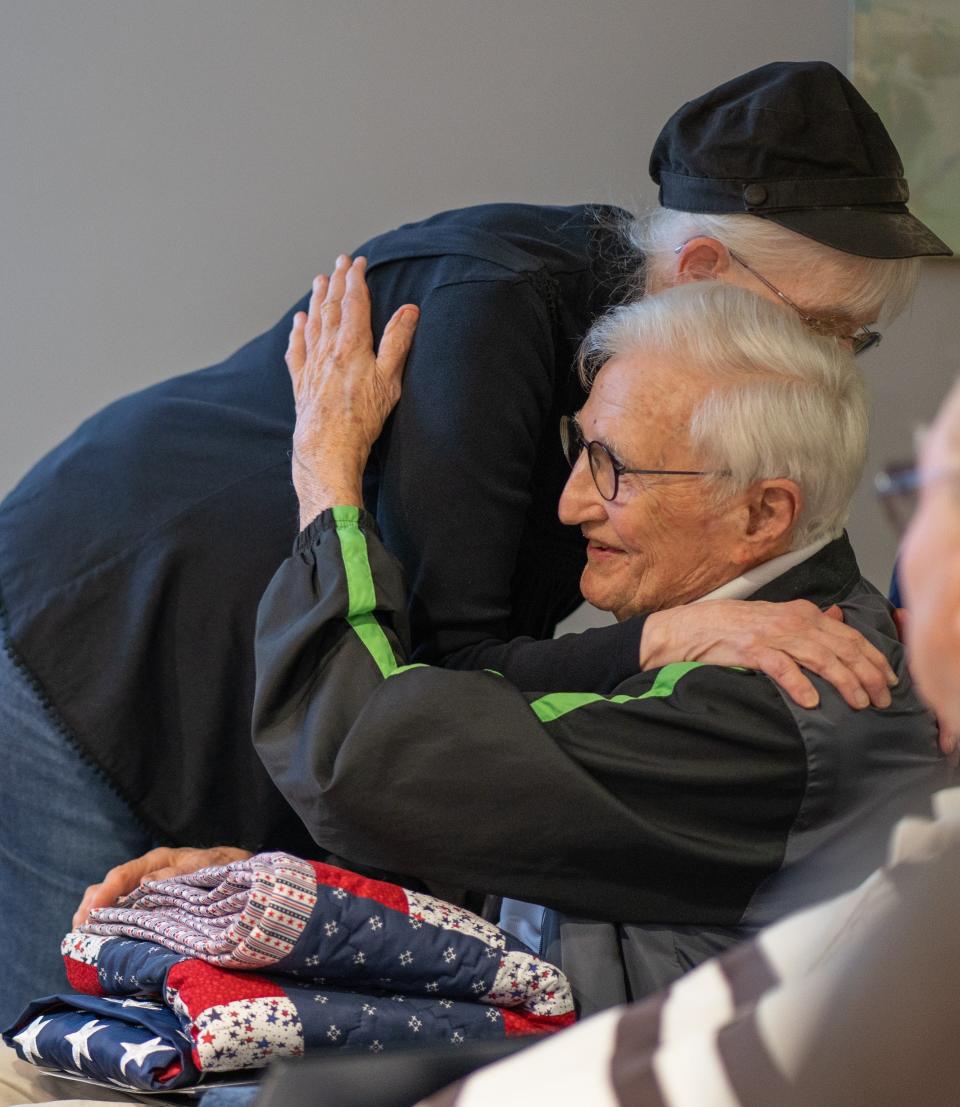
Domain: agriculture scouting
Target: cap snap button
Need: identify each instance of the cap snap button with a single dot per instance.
(754, 194)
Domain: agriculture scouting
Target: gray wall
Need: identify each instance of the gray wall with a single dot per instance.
(174, 172)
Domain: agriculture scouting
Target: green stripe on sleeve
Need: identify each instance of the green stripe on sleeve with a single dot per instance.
(361, 592)
(557, 704)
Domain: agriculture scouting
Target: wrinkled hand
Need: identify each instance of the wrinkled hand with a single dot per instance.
(343, 391)
(155, 865)
(776, 638)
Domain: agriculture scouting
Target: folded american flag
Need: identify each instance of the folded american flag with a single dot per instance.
(234, 965)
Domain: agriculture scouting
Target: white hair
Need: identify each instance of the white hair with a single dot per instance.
(781, 401)
(875, 287)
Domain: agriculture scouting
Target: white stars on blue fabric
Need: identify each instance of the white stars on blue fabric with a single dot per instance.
(79, 1039)
(139, 1052)
(27, 1038)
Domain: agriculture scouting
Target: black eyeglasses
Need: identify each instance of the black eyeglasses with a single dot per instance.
(860, 341)
(604, 467)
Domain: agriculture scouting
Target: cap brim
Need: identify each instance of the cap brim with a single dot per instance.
(867, 232)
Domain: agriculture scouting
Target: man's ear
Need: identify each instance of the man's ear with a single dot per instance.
(771, 509)
(700, 259)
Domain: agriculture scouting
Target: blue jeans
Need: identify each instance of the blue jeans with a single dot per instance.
(61, 828)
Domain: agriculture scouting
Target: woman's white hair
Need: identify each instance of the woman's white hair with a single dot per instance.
(875, 288)
(781, 401)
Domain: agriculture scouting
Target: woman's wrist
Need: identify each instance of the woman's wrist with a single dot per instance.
(654, 641)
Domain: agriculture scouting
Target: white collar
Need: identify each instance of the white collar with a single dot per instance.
(754, 579)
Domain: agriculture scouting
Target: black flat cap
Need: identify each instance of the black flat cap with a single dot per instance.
(793, 142)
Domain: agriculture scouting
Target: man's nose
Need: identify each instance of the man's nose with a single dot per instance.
(580, 502)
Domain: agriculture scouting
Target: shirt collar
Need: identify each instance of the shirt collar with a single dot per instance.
(740, 588)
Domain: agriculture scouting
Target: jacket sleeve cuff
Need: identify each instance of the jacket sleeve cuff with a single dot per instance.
(330, 520)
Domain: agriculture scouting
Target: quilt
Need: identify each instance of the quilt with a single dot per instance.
(232, 966)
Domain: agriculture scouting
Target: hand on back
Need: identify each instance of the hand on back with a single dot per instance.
(779, 639)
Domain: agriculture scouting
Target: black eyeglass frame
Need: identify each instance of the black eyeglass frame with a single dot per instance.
(571, 437)
(864, 339)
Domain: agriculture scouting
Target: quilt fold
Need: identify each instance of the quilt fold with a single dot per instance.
(234, 965)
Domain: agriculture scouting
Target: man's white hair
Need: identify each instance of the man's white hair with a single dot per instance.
(780, 401)
(875, 288)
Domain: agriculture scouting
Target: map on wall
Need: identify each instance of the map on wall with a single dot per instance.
(906, 62)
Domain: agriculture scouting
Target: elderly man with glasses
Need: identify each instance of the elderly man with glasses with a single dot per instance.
(656, 823)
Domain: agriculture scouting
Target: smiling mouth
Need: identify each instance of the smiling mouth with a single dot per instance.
(599, 550)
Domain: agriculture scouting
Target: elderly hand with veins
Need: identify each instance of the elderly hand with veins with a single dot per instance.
(776, 639)
(343, 391)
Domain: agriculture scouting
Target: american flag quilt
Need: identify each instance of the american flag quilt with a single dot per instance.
(232, 966)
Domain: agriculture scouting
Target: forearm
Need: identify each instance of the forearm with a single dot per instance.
(318, 616)
(595, 660)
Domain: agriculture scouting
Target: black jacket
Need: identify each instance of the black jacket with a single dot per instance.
(133, 556)
(675, 804)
